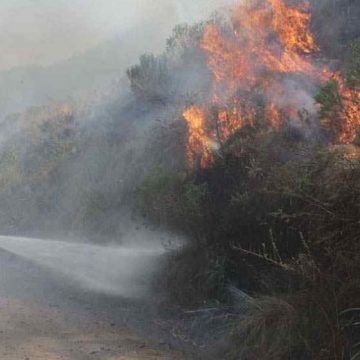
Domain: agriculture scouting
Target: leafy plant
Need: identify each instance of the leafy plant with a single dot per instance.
(150, 79)
(329, 98)
(353, 74)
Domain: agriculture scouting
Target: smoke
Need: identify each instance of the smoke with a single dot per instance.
(75, 171)
(69, 49)
(42, 32)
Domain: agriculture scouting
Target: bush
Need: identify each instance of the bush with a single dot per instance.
(353, 74)
(272, 224)
(150, 79)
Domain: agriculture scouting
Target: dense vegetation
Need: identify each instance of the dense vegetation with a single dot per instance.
(272, 224)
(276, 215)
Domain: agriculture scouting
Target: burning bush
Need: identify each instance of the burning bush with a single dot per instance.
(265, 74)
(271, 187)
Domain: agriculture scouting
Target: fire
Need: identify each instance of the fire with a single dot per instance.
(350, 115)
(267, 44)
(199, 144)
(292, 25)
(346, 121)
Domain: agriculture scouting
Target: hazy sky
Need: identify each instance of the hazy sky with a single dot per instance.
(46, 31)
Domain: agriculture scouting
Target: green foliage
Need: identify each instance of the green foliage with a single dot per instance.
(329, 98)
(273, 215)
(184, 37)
(150, 79)
(172, 201)
(193, 196)
(155, 195)
(353, 74)
(296, 218)
(179, 73)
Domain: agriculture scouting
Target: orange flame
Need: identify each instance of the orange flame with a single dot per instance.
(269, 42)
(199, 144)
(345, 123)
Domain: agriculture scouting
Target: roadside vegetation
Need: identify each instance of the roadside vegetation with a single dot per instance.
(276, 218)
(272, 226)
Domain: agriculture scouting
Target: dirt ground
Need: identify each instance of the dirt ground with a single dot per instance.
(46, 316)
(31, 332)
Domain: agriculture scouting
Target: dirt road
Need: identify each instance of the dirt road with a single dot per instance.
(43, 316)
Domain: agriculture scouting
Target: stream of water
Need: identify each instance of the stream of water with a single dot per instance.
(117, 270)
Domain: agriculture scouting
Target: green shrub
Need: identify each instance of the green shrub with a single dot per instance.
(353, 74)
(329, 98)
(150, 79)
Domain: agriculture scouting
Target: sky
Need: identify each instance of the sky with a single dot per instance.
(43, 32)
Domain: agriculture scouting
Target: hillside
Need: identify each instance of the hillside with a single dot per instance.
(241, 137)
(78, 77)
